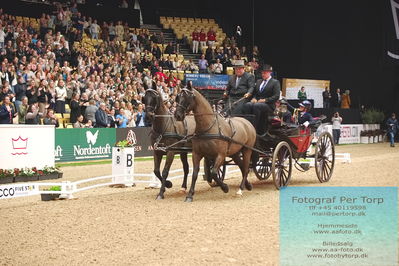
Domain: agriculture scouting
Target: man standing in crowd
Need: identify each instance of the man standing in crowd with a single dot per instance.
(337, 98)
(326, 98)
(238, 88)
(264, 97)
(101, 116)
(196, 38)
(336, 127)
(392, 124)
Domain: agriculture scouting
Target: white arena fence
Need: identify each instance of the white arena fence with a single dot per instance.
(68, 188)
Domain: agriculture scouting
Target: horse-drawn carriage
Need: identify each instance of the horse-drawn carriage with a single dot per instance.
(273, 154)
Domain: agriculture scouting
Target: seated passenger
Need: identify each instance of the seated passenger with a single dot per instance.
(304, 117)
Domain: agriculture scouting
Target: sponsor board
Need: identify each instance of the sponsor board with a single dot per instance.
(208, 81)
(26, 146)
(18, 190)
(81, 144)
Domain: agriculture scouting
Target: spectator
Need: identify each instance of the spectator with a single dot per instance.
(336, 127)
(345, 100)
(111, 119)
(121, 119)
(302, 94)
(119, 31)
(79, 122)
(211, 35)
(217, 67)
(61, 94)
(94, 30)
(101, 117)
(32, 115)
(50, 118)
(203, 65)
(75, 107)
(202, 39)
(104, 32)
(111, 31)
(196, 38)
(22, 111)
(6, 91)
(393, 126)
(169, 49)
(7, 111)
(91, 112)
(337, 98)
(326, 98)
(140, 117)
(20, 92)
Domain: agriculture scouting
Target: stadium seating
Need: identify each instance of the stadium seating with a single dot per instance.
(185, 26)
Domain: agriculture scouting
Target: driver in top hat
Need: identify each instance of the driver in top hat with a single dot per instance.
(263, 100)
(240, 84)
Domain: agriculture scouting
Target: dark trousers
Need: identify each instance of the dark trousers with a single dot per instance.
(326, 104)
(261, 112)
(336, 135)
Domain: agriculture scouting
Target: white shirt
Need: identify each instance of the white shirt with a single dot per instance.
(263, 84)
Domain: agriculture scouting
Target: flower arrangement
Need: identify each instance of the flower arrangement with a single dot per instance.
(28, 171)
(124, 143)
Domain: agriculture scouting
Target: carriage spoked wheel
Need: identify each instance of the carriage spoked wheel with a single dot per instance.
(324, 157)
(282, 164)
(262, 166)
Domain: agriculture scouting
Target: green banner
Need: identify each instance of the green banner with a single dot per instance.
(82, 144)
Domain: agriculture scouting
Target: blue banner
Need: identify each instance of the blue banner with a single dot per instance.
(208, 81)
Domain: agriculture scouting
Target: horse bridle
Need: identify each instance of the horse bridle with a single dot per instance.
(189, 93)
(156, 93)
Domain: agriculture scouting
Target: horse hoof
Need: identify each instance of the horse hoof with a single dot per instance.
(183, 190)
(239, 192)
(188, 199)
(212, 184)
(168, 184)
(160, 197)
(248, 186)
(225, 188)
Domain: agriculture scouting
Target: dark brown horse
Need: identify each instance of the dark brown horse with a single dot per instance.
(166, 131)
(216, 138)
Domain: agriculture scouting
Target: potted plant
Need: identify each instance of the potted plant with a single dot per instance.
(48, 197)
(28, 174)
(6, 176)
(50, 173)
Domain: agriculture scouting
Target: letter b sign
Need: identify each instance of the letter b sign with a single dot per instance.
(129, 160)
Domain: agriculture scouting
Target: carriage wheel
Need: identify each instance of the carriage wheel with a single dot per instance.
(324, 157)
(282, 165)
(262, 167)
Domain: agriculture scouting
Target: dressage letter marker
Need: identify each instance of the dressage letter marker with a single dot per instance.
(351, 226)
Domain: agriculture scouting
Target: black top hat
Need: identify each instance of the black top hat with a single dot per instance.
(267, 68)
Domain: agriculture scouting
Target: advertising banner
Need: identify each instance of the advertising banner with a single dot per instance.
(82, 144)
(350, 134)
(208, 81)
(26, 146)
(143, 145)
(18, 190)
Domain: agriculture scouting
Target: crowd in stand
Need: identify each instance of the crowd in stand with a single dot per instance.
(42, 72)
